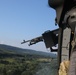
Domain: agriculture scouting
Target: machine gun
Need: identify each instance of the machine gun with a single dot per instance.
(50, 38)
(33, 41)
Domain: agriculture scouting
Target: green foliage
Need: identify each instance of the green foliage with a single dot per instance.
(18, 64)
(12, 63)
(27, 73)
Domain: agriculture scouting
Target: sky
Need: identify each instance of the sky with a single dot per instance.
(25, 19)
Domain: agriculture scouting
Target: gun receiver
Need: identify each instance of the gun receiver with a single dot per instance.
(33, 41)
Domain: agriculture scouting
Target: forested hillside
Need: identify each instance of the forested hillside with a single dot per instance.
(12, 49)
(13, 62)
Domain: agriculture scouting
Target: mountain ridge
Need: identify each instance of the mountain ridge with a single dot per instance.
(18, 50)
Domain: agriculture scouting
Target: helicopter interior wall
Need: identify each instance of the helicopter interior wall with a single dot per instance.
(61, 7)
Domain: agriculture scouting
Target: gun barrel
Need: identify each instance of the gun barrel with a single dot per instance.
(25, 41)
(33, 41)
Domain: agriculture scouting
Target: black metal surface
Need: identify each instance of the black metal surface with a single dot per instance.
(55, 3)
(53, 50)
(50, 38)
